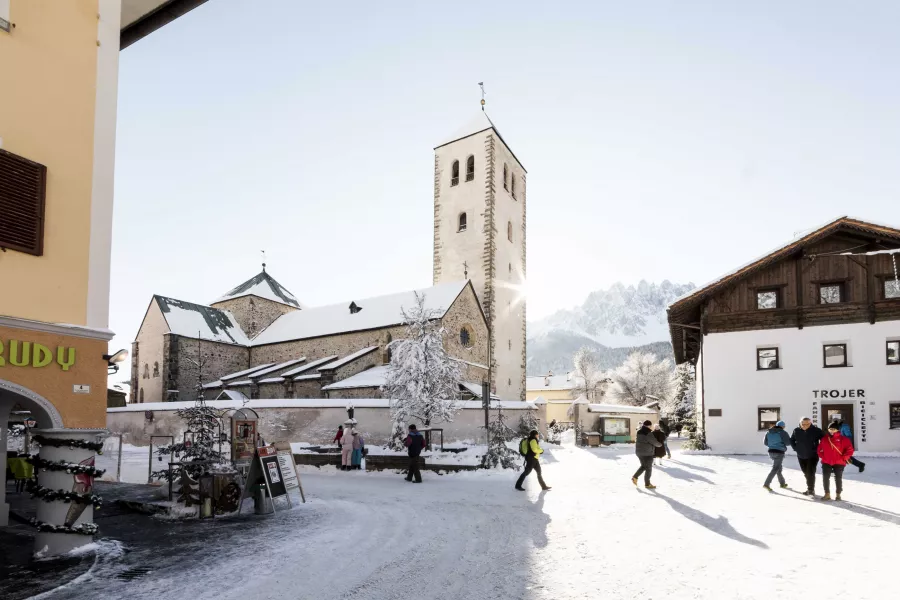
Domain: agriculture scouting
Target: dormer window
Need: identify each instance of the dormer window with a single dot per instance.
(354, 308)
(454, 173)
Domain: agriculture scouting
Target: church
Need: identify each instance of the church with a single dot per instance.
(259, 341)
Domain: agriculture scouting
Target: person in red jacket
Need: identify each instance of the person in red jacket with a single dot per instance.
(835, 451)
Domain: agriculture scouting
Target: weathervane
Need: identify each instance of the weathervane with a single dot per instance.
(481, 85)
(264, 260)
(465, 270)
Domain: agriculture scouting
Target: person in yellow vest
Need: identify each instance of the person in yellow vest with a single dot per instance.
(532, 451)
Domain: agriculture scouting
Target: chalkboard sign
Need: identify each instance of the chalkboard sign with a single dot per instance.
(268, 460)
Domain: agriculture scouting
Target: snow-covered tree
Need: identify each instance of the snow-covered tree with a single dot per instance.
(590, 380)
(528, 421)
(641, 375)
(422, 381)
(498, 453)
(684, 398)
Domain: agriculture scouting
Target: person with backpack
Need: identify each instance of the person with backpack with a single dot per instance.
(531, 450)
(848, 433)
(836, 451)
(805, 442)
(777, 441)
(645, 445)
(415, 443)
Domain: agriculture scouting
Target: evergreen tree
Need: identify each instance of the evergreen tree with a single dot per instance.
(682, 415)
(498, 453)
(528, 422)
(422, 381)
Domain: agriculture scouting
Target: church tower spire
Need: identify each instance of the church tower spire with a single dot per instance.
(479, 232)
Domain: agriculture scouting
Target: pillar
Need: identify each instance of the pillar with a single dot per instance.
(65, 469)
(5, 407)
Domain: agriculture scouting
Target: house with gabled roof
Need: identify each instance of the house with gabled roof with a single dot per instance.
(810, 329)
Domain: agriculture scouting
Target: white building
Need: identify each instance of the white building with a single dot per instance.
(479, 234)
(810, 329)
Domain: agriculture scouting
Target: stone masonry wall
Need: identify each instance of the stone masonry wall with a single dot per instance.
(315, 348)
(181, 356)
(254, 314)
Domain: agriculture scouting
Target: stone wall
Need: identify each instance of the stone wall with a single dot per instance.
(350, 393)
(181, 355)
(315, 348)
(308, 388)
(254, 314)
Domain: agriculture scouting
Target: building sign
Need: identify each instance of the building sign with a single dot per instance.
(81, 389)
(823, 394)
(815, 413)
(288, 471)
(862, 421)
(28, 354)
(894, 416)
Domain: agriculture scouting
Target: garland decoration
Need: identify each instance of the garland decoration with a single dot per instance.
(61, 465)
(48, 495)
(82, 529)
(60, 443)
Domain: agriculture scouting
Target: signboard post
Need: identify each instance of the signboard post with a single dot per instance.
(265, 470)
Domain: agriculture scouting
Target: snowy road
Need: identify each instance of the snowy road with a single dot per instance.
(709, 531)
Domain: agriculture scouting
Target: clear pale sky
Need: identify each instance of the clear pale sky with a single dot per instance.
(663, 140)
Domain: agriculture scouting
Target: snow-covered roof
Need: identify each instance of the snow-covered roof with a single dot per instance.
(475, 388)
(237, 383)
(373, 377)
(278, 367)
(310, 365)
(377, 312)
(231, 395)
(308, 377)
(553, 382)
(305, 403)
(347, 359)
(480, 122)
(272, 380)
(196, 320)
(262, 285)
(245, 372)
(621, 408)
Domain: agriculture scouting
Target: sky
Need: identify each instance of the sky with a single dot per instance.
(664, 140)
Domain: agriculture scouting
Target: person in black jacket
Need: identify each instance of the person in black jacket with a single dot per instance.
(659, 453)
(805, 442)
(667, 430)
(415, 443)
(645, 447)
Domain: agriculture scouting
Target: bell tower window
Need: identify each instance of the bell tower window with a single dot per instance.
(454, 173)
(470, 168)
(462, 222)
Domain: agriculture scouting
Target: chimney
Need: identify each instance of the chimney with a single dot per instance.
(354, 308)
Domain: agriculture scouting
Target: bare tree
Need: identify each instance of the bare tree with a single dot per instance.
(590, 381)
(641, 374)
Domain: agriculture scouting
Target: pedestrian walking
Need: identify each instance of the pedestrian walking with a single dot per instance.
(848, 433)
(645, 445)
(338, 435)
(415, 443)
(805, 442)
(659, 453)
(346, 444)
(359, 446)
(835, 450)
(533, 452)
(777, 441)
(666, 429)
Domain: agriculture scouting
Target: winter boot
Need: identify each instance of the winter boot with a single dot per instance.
(837, 497)
(784, 486)
(521, 489)
(765, 487)
(807, 493)
(862, 468)
(650, 486)
(827, 496)
(634, 480)
(547, 489)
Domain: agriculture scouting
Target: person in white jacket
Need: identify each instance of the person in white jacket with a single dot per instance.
(347, 446)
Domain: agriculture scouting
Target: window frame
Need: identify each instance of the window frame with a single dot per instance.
(462, 222)
(759, 421)
(464, 332)
(505, 177)
(470, 173)
(509, 231)
(891, 406)
(778, 301)
(777, 359)
(454, 173)
(842, 292)
(885, 280)
(887, 353)
(825, 356)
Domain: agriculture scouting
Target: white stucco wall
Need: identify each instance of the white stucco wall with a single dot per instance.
(151, 339)
(734, 385)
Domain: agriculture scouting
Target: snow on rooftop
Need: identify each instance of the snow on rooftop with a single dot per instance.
(245, 372)
(231, 395)
(278, 367)
(310, 365)
(262, 285)
(305, 403)
(621, 408)
(196, 320)
(348, 359)
(553, 382)
(308, 377)
(373, 377)
(381, 311)
(237, 383)
(272, 380)
(475, 388)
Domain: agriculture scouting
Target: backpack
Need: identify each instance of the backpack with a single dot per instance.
(523, 447)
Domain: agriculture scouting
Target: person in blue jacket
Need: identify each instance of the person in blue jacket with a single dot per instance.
(848, 433)
(777, 441)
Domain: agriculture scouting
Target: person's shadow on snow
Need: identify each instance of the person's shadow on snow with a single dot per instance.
(689, 466)
(719, 525)
(860, 509)
(685, 475)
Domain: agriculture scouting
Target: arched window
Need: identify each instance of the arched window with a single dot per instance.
(510, 268)
(512, 186)
(505, 177)
(509, 343)
(146, 371)
(156, 369)
(465, 339)
(454, 173)
(509, 230)
(388, 353)
(470, 168)
(462, 222)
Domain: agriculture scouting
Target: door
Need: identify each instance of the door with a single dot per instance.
(845, 411)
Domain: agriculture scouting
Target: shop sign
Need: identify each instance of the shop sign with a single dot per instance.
(28, 354)
(824, 394)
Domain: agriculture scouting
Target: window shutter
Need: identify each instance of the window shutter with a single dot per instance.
(23, 185)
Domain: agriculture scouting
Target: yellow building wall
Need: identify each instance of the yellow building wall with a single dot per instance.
(548, 394)
(47, 112)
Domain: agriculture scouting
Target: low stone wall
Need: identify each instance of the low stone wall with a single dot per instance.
(311, 421)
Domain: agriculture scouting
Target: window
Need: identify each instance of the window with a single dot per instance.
(831, 293)
(512, 185)
(505, 177)
(470, 168)
(768, 416)
(894, 416)
(510, 268)
(835, 355)
(766, 358)
(156, 369)
(462, 222)
(141, 401)
(454, 173)
(509, 344)
(893, 353)
(768, 299)
(715, 412)
(146, 371)
(509, 230)
(22, 201)
(891, 288)
(465, 339)
(509, 382)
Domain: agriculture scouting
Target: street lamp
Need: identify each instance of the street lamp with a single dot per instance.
(113, 360)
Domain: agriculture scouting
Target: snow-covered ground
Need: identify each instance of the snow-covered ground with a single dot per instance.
(708, 531)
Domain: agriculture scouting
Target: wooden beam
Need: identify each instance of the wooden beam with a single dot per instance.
(870, 287)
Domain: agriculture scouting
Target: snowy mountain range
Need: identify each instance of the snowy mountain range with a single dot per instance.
(612, 321)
